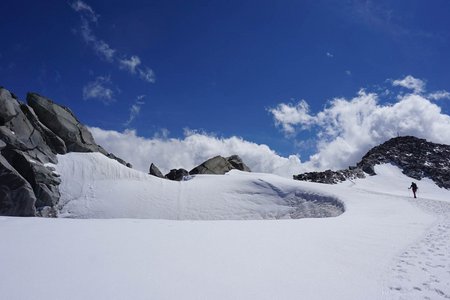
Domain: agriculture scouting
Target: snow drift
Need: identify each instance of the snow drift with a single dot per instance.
(94, 186)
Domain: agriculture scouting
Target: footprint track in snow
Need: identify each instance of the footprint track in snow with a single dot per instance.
(422, 271)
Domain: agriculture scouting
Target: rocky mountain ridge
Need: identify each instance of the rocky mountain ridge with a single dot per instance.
(31, 135)
(417, 158)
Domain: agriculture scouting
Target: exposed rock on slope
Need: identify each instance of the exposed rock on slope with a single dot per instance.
(177, 174)
(31, 136)
(220, 165)
(216, 165)
(155, 171)
(417, 158)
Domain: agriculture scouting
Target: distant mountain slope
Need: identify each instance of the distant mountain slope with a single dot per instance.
(417, 158)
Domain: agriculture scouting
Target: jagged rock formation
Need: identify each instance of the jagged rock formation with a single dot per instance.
(417, 158)
(30, 137)
(220, 165)
(155, 171)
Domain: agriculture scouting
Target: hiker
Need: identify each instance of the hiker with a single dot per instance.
(414, 188)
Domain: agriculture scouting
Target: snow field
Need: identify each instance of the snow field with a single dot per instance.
(359, 254)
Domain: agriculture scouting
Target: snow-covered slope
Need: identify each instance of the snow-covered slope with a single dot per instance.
(386, 245)
(94, 186)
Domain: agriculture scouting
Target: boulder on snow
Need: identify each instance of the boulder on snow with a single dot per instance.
(155, 171)
(177, 174)
(220, 165)
(237, 163)
(16, 195)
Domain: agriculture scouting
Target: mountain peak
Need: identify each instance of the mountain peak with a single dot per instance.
(417, 158)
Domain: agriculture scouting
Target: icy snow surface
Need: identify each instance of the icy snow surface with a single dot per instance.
(386, 245)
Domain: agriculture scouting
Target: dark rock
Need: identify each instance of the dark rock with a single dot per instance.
(112, 156)
(63, 123)
(31, 136)
(220, 165)
(16, 195)
(215, 165)
(417, 158)
(155, 171)
(20, 133)
(54, 141)
(237, 163)
(9, 107)
(177, 174)
(43, 180)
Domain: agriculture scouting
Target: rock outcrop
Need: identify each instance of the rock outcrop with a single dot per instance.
(154, 170)
(31, 135)
(217, 165)
(220, 165)
(177, 174)
(417, 158)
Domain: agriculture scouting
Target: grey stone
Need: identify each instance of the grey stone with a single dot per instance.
(220, 165)
(153, 170)
(9, 107)
(54, 141)
(42, 180)
(16, 194)
(417, 158)
(237, 163)
(215, 165)
(177, 174)
(64, 124)
(20, 133)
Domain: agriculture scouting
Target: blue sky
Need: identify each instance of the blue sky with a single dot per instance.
(219, 67)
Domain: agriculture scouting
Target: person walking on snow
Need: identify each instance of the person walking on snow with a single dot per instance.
(414, 188)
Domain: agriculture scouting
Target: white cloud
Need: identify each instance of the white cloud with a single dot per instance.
(330, 55)
(82, 7)
(103, 49)
(348, 128)
(190, 151)
(99, 46)
(99, 89)
(409, 82)
(287, 115)
(438, 95)
(348, 72)
(345, 130)
(135, 109)
(130, 64)
(147, 75)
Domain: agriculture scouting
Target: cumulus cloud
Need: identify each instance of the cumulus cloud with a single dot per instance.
(103, 49)
(344, 131)
(288, 115)
(347, 128)
(330, 55)
(190, 151)
(99, 89)
(409, 82)
(135, 109)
